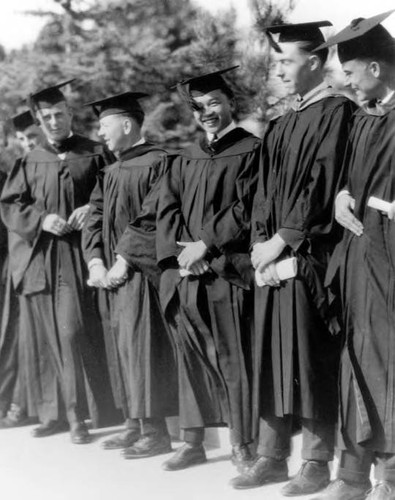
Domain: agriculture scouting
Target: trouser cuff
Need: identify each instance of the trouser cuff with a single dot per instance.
(237, 439)
(318, 455)
(276, 453)
(150, 426)
(351, 476)
(132, 424)
(194, 435)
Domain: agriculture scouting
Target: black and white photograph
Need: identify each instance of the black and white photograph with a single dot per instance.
(197, 249)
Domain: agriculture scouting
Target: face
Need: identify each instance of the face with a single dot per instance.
(115, 131)
(55, 121)
(293, 67)
(30, 138)
(361, 77)
(213, 111)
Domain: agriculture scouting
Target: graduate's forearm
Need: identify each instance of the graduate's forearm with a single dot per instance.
(26, 221)
(313, 212)
(226, 229)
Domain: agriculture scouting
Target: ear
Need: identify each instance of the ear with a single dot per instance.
(375, 69)
(127, 125)
(38, 117)
(69, 110)
(315, 62)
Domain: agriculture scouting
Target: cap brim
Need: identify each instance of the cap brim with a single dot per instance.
(127, 95)
(206, 75)
(351, 31)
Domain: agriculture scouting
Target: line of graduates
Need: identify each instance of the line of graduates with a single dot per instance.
(136, 274)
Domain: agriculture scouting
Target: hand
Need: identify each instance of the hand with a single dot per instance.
(270, 276)
(267, 252)
(98, 276)
(344, 206)
(78, 217)
(192, 253)
(391, 211)
(199, 268)
(118, 273)
(54, 224)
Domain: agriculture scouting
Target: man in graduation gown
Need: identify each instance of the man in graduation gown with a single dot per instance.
(140, 352)
(13, 404)
(27, 131)
(296, 357)
(7, 379)
(45, 203)
(362, 268)
(203, 228)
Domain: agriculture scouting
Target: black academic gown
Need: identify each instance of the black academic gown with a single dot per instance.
(207, 194)
(59, 333)
(9, 323)
(362, 274)
(296, 357)
(139, 350)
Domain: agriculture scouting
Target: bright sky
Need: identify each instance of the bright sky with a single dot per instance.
(16, 28)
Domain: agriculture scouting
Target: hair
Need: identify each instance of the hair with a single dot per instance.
(384, 55)
(136, 115)
(185, 90)
(310, 46)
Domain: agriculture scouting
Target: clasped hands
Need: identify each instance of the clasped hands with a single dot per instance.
(192, 257)
(99, 277)
(58, 226)
(263, 257)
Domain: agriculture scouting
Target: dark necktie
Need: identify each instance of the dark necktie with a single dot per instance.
(63, 146)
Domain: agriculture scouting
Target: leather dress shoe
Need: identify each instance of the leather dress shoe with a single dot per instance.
(384, 490)
(313, 476)
(124, 439)
(148, 446)
(9, 423)
(342, 490)
(264, 470)
(79, 434)
(16, 417)
(50, 428)
(241, 457)
(186, 456)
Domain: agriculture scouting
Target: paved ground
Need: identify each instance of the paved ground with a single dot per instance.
(54, 469)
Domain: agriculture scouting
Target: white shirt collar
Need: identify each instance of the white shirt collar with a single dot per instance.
(138, 143)
(313, 92)
(224, 131)
(387, 98)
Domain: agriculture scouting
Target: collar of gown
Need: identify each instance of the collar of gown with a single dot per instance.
(322, 91)
(380, 107)
(226, 130)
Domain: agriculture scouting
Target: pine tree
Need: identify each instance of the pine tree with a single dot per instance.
(111, 46)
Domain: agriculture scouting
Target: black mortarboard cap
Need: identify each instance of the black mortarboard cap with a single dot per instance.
(204, 84)
(301, 32)
(22, 121)
(49, 96)
(364, 38)
(127, 102)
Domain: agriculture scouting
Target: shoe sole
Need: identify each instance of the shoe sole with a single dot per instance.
(302, 493)
(362, 496)
(258, 485)
(147, 455)
(52, 433)
(116, 446)
(87, 441)
(197, 462)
